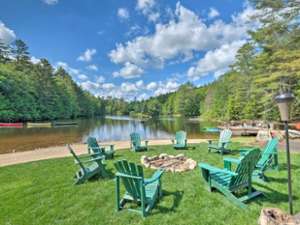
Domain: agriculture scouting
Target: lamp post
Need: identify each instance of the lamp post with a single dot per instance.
(283, 101)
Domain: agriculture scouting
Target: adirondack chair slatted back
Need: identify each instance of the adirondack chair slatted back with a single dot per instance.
(133, 177)
(268, 151)
(245, 169)
(76, 159)
(135, 139)
(225, 137)
(93, 145)
(180, 137)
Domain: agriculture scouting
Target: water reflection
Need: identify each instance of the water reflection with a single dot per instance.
(110, 128)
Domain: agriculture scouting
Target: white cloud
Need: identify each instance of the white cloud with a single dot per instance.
(92, 67)
(128, 87)
(166, 87)
(180, 37)
(34, 60)
(130, 90)
(89, 86)
(123, 13)
(87, 55)
(83, 77)
(69, 69)
(100, 79)
(216, 61)
(147, 8)
(213, 13)
(152, 85)
(139, 84)
(6, 35)
(153, 16)
(108, 86)
(129, 71)
(145, 5)
(50, 2)
(142, 96)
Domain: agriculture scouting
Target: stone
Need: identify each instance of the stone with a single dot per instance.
(274, 216)
(178, 163)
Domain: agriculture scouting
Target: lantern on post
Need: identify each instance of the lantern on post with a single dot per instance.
(283, 101)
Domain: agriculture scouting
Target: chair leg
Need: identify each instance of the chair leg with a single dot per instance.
(118, 193)
(234, 199)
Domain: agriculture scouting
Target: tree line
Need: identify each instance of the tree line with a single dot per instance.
(37, 92)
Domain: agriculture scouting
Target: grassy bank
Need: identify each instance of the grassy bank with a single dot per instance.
(43, 193)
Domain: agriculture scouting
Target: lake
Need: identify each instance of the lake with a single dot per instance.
(109, 128)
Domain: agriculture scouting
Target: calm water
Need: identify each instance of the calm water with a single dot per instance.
(111, 128)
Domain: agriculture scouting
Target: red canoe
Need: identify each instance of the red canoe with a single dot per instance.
(297, 126)
(14, 125)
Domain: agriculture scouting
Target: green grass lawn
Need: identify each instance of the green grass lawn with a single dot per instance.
(43, 193)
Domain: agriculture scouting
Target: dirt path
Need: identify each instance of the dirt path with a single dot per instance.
(61, 151)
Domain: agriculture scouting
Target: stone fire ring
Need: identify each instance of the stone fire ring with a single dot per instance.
(178, 163)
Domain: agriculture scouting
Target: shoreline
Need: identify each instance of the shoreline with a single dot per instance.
(61, 151)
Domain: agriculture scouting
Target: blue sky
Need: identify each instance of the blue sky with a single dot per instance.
(136, 48)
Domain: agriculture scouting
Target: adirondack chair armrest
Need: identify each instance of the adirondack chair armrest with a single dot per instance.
(92, 160)
(106, 145)
(128, 176)
(232, 160)
(94, 148)
(156, 176)
(229, 161)
(213, 169)
(243, 151)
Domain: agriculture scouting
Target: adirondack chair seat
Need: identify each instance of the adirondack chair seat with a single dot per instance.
(180, 141)
(136, 143)
(88, 168)
(144, 192)
(139, 146)
(94, 149)
(222, 144)
(179, 146)
(233, 182)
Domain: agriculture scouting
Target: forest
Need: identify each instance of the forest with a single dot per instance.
(32, 92)
(267, 63)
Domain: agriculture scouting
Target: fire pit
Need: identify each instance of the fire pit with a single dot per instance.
(178, 163)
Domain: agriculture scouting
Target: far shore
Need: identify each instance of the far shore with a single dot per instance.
(81, 148)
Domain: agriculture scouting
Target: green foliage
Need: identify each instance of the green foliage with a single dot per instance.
(31, 92)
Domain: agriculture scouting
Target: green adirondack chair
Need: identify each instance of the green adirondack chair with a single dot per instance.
(95, 150)
(180, 141)
(232, 182)
(222, 144)
(268, 159)
(136, 143)
(89, 167)
(144, 192)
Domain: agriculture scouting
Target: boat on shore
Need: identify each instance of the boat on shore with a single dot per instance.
(39, 125)
(64, 123)
(11, 125)
(211, 129)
